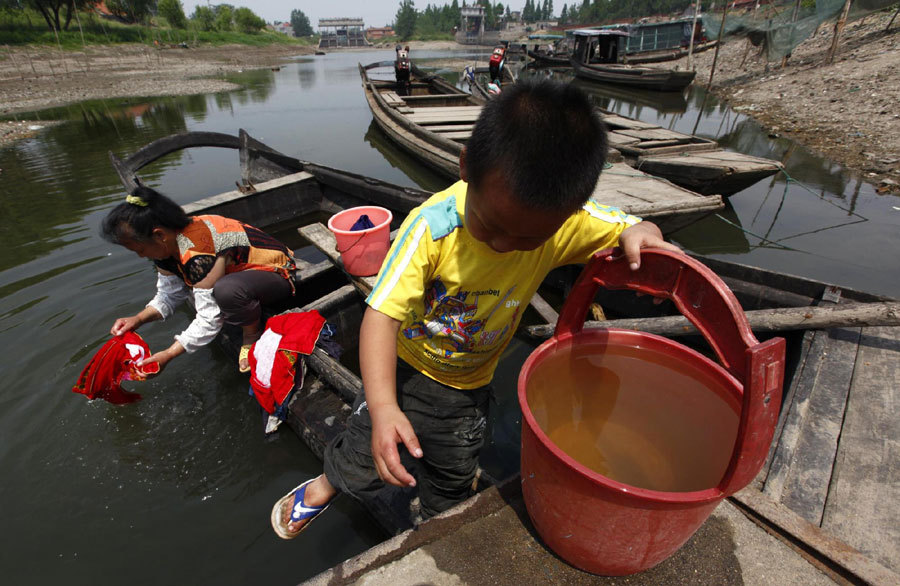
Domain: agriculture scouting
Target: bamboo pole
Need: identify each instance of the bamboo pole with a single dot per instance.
(888, 27)
(838, 28)
(13, 59)
(693, 30)
(784, 59)
(761, 320)
(712, 71)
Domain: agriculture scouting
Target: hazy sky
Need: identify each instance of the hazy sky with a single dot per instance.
(373, 12)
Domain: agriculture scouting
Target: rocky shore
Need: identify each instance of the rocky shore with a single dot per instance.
(848, 110)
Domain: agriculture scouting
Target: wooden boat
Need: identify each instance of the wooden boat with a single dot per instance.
(663, 102)
(434, 123)
(595, 58)
(819, 476)
(695, 163)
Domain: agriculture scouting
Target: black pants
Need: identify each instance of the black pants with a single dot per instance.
(240, 295)
(450, 424)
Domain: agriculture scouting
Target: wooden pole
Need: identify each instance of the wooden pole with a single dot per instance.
(761, 320)
(693, 30)
(13, 59)
(888, 27)
(838, 28)
(712, 71)
(784, 59)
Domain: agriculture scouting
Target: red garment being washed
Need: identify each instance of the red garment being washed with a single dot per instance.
(274, 356)
(113, 363)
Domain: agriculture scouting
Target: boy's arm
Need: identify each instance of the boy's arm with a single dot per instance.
(378, 363)
(642, 235)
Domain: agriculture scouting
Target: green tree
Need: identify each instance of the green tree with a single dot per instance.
(247, 21)
(405, 20)
(51, 9)
(300, 24)
(204, 18)
(172, 11)
(564, 15)
(224, 17)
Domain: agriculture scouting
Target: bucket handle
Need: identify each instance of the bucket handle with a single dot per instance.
(338, 248)
(708, 303)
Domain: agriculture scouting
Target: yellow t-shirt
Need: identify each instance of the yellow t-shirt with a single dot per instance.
(459, 302)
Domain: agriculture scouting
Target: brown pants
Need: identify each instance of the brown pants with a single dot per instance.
(241, 295)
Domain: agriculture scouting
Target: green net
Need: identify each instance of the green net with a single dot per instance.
(774, 26)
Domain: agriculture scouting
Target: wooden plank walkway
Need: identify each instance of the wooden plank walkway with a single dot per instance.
(836, 457)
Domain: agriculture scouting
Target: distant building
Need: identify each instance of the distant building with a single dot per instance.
(471, 28)
(342, 32)
(284, 28)
(374, 33)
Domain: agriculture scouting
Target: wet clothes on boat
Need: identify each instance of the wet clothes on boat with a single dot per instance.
(450, 425)
(116, 361)
(273, 358)
(459, 302)
(258, 271)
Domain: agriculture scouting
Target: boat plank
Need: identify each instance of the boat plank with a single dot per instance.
(809, 476)
(323, 239)
(616, 139)
(655, 134)
(621, 122)
(635, 192)
(867, 474)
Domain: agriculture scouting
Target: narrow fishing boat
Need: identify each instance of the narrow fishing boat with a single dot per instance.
(819, 487)
(695, 163)
(596, 58)
(434, 123)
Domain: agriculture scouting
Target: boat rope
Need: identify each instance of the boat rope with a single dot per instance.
(790, 180)
(761, 238)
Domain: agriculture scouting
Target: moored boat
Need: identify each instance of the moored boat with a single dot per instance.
(596, 58)
(435, 125)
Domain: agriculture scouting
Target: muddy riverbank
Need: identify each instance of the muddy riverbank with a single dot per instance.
(848, 110)
(33, 78)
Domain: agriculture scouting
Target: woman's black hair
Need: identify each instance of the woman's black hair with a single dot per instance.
(136, 221)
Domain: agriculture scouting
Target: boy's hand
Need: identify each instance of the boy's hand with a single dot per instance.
(642, 235)
(389, 428)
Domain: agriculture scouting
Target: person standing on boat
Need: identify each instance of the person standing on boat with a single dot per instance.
(496, 62)
(230, 269)
(452, 291)
(402, 69)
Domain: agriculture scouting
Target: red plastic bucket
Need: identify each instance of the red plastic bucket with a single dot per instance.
(362, 251)
(612, 523)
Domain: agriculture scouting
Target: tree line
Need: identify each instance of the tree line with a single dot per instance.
(58, 14)
(409, 21)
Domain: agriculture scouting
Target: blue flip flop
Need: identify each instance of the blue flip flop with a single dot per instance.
(299, 511)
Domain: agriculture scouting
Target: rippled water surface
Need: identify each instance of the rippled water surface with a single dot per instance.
(177, 488)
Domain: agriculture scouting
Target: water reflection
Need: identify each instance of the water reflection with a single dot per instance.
(400, 159)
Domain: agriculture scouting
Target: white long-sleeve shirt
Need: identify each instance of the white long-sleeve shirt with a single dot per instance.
(171, 291)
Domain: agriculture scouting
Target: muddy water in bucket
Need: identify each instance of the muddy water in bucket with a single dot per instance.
(637, 417)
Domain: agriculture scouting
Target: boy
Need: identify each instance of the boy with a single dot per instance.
(452, 291)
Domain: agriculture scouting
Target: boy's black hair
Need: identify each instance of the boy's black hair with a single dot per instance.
(546, 139)
(136, 221)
